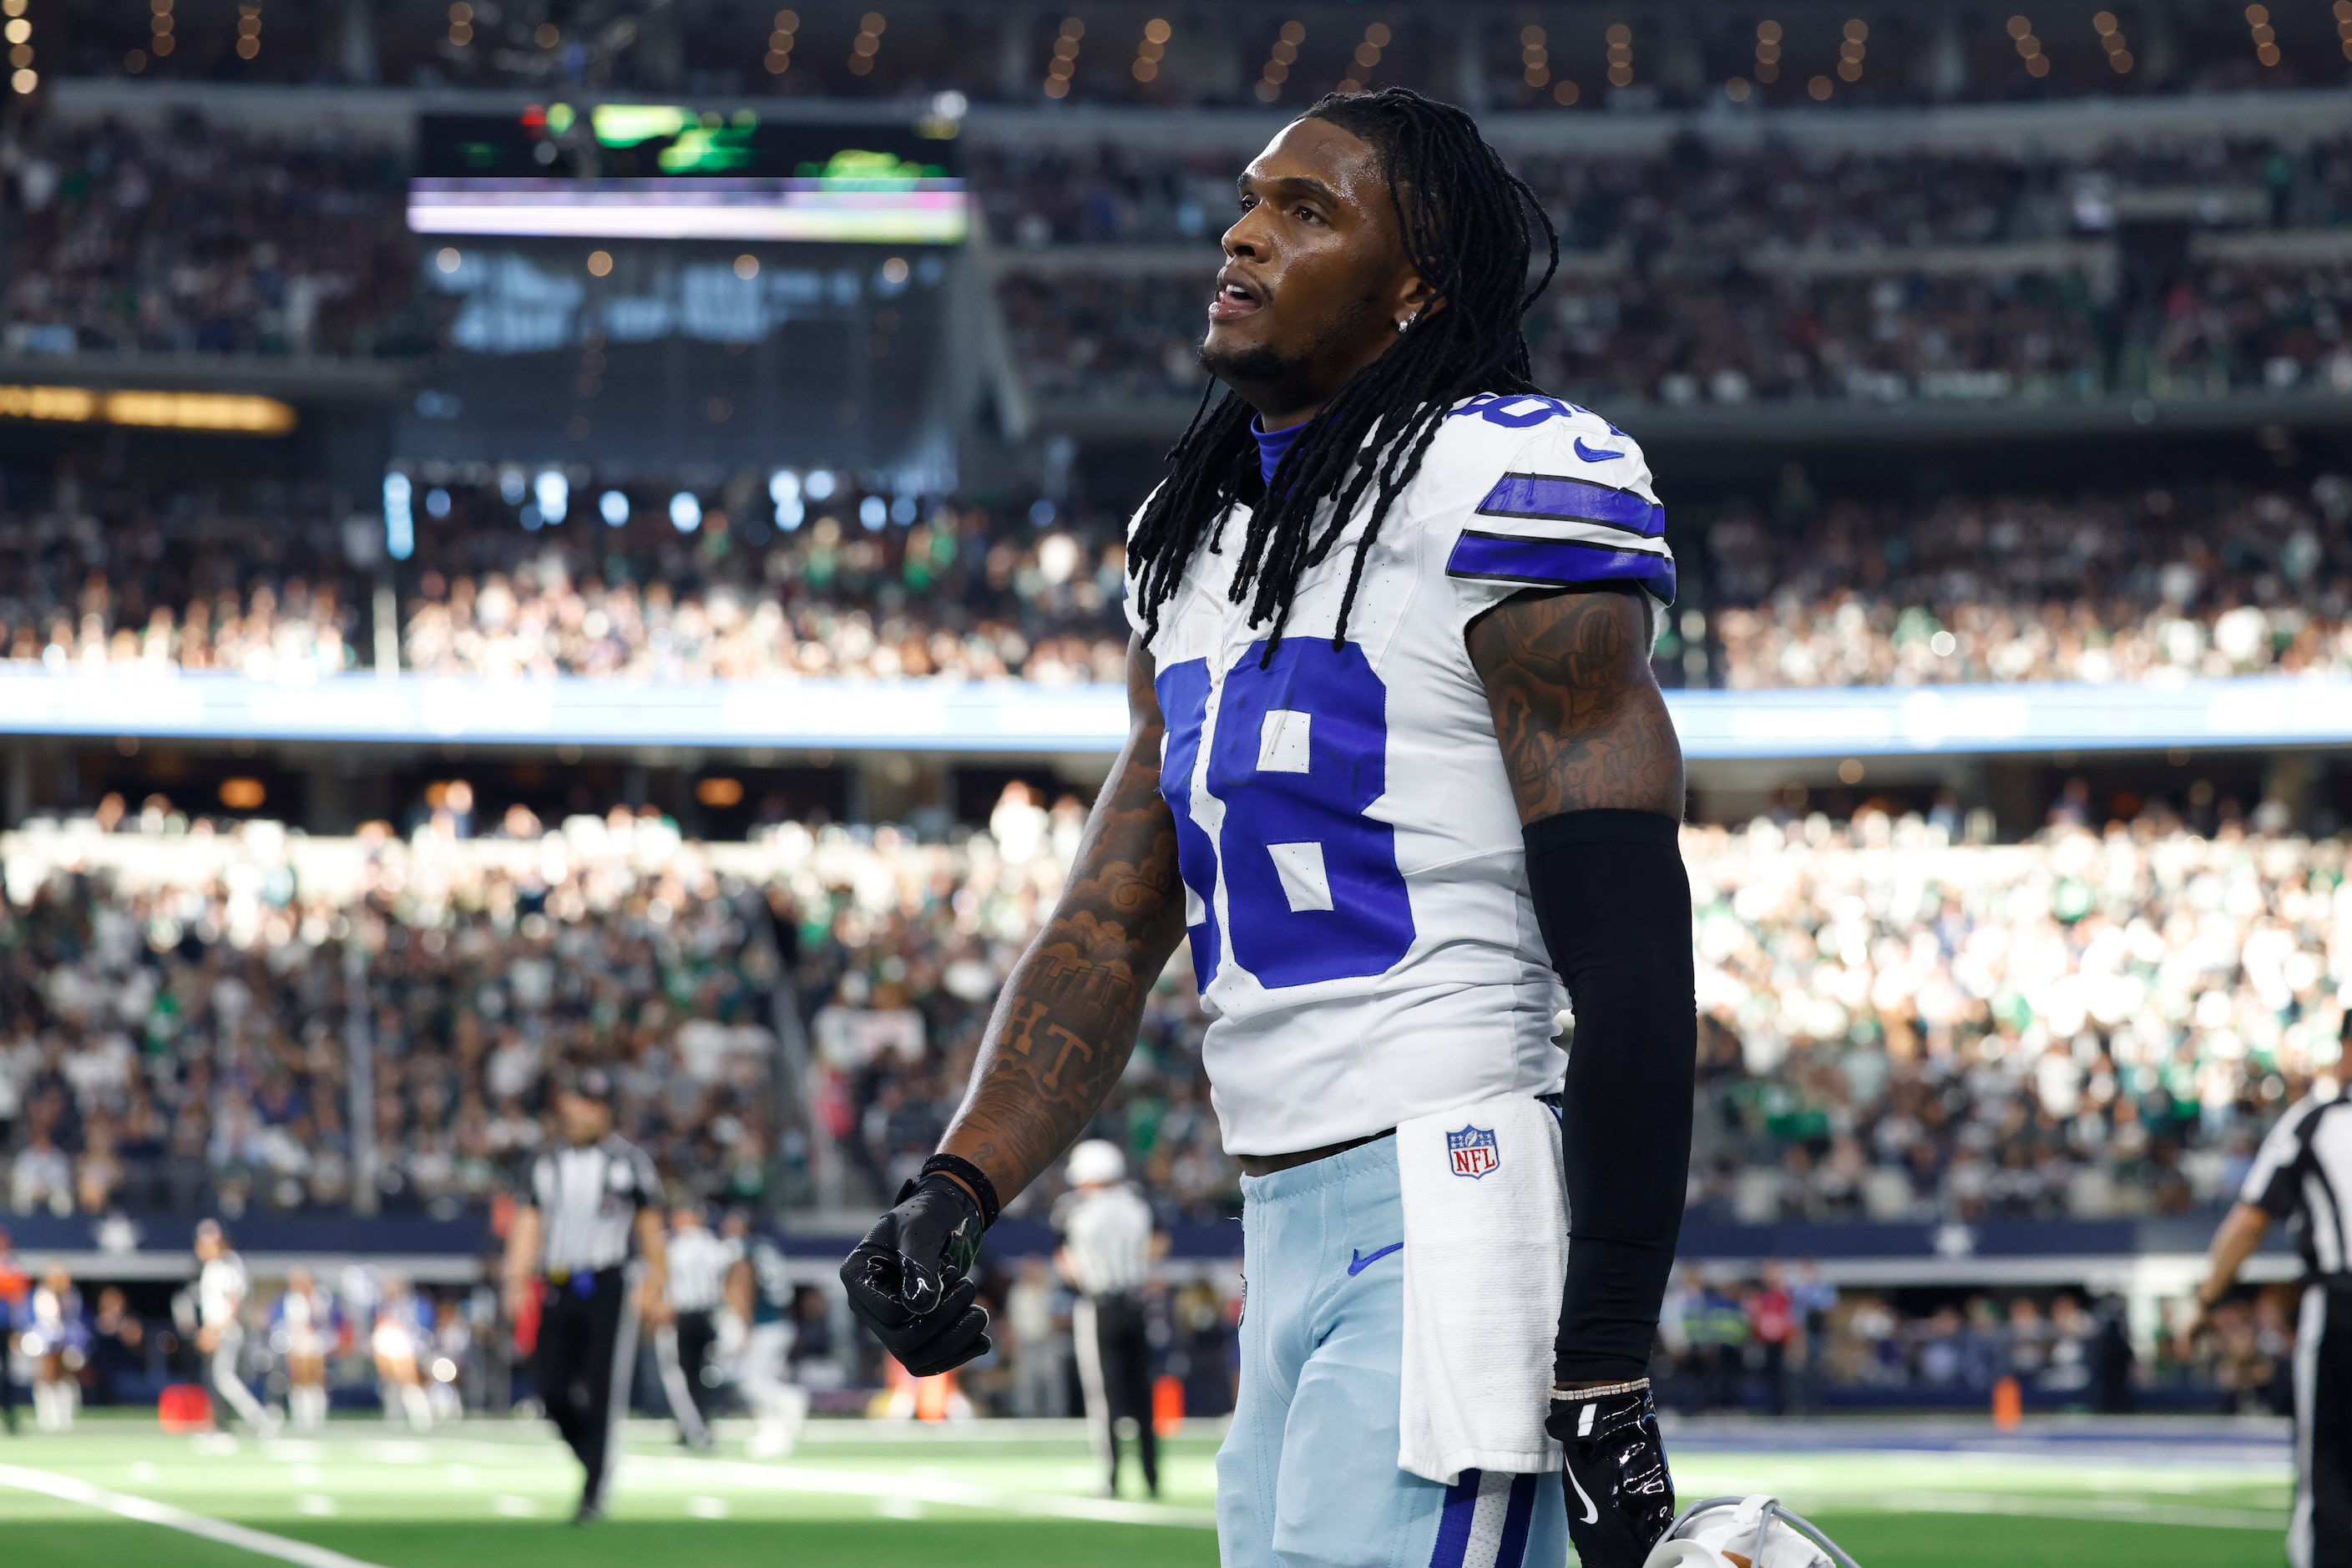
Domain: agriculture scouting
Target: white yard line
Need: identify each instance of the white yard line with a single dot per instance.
(146, 1510)
(915, 1489)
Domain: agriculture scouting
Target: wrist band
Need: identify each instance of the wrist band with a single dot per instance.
(972, 1177)
(1636, 1387)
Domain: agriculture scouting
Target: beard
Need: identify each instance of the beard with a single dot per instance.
(1260, 368)
(1266, 376)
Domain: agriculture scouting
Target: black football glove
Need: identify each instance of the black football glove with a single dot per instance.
(1621, 1497)
(910, 1281)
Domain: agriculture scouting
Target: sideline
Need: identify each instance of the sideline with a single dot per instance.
(146, 1510)
(914, 1489)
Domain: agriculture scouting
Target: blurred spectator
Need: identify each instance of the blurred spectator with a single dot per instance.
(1034, 1321)
(1772, 1329)
(1717, 1330)
(193, 238)
(118, 1351)
(2101, 587)
(2104, 586)
(959, 595)
(1695, 196)
(2069, 1026)
(1893, 1025)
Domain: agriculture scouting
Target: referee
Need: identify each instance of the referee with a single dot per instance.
(699, 1262)
(1105, 1254)
(2304, 1171)
(571, 1245)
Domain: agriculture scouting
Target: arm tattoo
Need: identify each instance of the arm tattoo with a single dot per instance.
(1581, 718)
(1066, 1025)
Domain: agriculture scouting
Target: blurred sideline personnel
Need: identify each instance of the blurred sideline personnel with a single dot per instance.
(2304, 1173)
(1105, 1254)
(56, 1342)
(587, 1240)
(223, 1288)
(760, 1295)
(699, 1262)
(395, 1339)
(13, 1289)
(303, 1323)
(1397, 761)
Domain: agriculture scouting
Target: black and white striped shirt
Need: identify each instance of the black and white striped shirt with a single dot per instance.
(699, 1262)
(2304, 1169)
(588, 1201)
(1107, 1237)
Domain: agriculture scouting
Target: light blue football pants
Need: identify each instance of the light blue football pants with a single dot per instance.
(1307, 1476)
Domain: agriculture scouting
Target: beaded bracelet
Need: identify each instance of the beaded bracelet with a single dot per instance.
(1636, 1387)
(971, 1176)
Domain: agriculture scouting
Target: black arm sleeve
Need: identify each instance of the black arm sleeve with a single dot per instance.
(1614, 904)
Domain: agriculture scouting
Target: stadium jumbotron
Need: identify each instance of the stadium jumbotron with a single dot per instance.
(735, 744)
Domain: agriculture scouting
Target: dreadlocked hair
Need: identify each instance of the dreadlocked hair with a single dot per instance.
(1467, 224)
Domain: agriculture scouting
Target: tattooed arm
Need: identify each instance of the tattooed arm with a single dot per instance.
(1066, 1025)
(1060, 1037)
(1598, 776)
(1578, 714)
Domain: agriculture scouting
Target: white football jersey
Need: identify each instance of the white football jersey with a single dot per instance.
(1355, 886)
(222, 1287)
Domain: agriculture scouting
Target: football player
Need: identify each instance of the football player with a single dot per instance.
(1398, 764)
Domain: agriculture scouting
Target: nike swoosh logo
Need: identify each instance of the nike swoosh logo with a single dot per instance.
(1591, 1512)
(1357, 1262)
(1594, 454)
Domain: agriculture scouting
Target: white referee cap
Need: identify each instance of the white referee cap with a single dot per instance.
(1097, 1162)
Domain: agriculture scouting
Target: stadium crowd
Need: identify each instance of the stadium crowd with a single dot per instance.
(297, 246)
(182, 1007)
(1697, 197)
(954, 595)
(2093, 586)
(1894, 1023)
(1801, 590)
(1729, 334)
(200, 239)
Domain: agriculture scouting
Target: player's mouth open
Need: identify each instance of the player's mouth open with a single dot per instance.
(1236, 296)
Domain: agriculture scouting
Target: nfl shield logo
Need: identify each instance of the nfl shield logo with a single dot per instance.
(1473, 1151)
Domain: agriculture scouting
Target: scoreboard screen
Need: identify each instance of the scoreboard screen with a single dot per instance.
(663, 172)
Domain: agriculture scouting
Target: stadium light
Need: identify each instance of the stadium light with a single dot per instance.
(552, 491)
(684, 512)
(437, 501)
(512, 486)
(820, 484)
(784, 489)
(873, 511)
(224, 413)
(614, 507)
(399, 521)
(902, 511)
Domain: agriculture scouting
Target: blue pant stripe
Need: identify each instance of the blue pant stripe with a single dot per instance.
(1513, 1553)
(1454, 1525)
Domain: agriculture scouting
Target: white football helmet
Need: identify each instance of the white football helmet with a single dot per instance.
(1745, 1533)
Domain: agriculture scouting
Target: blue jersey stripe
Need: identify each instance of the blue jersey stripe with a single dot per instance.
(1554, 498)
(1513, 1552)
(1453, 1524)
(1559, 562)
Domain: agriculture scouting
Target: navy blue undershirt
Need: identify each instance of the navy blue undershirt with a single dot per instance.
(1273, 444)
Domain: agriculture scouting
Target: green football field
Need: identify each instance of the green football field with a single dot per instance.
(364, 1496)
